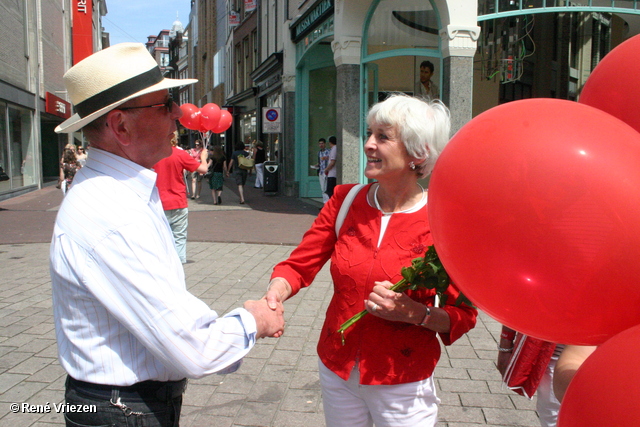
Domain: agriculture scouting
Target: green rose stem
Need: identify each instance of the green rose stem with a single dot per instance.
(427, 273)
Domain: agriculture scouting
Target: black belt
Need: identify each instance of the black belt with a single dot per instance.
(160, 390)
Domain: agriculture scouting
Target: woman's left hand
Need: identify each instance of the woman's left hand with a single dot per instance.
(390, 305)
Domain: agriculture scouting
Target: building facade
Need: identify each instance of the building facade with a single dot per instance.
(39, 41)
(296, 71)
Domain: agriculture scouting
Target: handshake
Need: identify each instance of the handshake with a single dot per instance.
(269, 311)
(269, 322)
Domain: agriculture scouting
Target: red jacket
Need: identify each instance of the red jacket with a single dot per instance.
(388, 352)
(170, 181)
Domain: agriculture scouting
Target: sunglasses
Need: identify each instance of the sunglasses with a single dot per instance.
(168, 104)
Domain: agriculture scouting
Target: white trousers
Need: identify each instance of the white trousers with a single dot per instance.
(259, 175)
(323, 187)
(350, 404)
(547, 404)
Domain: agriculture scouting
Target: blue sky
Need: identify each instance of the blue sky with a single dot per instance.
(134, 20)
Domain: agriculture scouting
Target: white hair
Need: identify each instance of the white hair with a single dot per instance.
(422, 125)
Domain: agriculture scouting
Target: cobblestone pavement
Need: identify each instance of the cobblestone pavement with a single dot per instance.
(277, 384)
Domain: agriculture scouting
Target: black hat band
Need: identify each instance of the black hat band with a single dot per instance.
(119, 92)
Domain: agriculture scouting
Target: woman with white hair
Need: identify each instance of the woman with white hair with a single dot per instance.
(382, 372)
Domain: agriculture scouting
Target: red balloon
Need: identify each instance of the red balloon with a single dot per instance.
(604, 390)
(614, 85)
(190, 116)
(535, 211)
(225, 122)
(210, 116)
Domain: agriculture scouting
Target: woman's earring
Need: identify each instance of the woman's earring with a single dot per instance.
(412, 166)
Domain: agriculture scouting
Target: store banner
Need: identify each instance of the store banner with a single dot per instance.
(250, 5)
(82, 30)
(234, 19)
(57, 106)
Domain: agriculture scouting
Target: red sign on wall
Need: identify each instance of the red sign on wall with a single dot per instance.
(234, 18)
(250, 5)
(57, 106)
(82, 32)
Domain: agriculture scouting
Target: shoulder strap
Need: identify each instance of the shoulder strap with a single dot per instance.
(346, 204)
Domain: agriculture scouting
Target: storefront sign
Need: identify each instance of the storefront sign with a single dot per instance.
(57, 106)
(309, 20)
(271, 120)
(234, 19)
(82, 31)
(319, 32)
(250, 5)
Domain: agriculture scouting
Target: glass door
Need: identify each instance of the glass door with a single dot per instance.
(317, 119)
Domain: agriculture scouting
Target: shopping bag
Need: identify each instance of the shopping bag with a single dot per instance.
(528, 364)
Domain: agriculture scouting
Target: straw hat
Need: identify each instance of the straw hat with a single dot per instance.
(109, 78)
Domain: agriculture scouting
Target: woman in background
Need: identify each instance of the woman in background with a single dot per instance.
(217, 165)
(69, 166)
(239, 173)
(196, 178)
(82, 156)
(259, 158)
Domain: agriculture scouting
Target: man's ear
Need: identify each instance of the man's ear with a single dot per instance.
(119, 126)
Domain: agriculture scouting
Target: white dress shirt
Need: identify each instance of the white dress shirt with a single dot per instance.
(333, 155)
(121, 307)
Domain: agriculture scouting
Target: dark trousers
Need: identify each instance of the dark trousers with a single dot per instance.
(146, 404)
(331, 184)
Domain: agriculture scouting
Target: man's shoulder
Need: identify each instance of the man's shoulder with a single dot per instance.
(87, 216)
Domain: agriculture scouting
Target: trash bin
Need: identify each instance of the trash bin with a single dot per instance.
(270, 177)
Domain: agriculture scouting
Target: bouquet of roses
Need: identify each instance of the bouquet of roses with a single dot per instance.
(424, 273)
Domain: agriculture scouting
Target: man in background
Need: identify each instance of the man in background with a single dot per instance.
(425, 88)
(323, 161)
(173, 191)
(330, 170)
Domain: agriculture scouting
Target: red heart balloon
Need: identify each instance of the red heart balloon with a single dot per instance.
(210, 116)
(225, 122)
(190, 116)
(535, 212)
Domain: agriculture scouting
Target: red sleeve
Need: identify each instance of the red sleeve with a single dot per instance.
(188, 162)
(316, 247)
(463, 317)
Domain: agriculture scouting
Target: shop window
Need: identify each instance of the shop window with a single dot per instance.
(403, 50)
(412, 75)
(17, 147)
(322, 111)
(248, 131)
(4, 149)
(239, 68)
(246, 57)
(402, 24)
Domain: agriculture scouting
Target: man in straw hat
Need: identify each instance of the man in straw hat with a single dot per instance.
(128, 331)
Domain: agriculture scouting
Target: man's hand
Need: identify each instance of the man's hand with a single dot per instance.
(269, 321)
